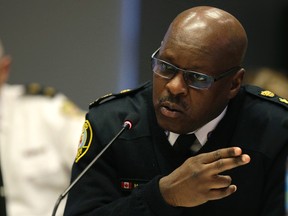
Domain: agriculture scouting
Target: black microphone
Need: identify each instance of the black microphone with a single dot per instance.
(285, 123)
(131, 120)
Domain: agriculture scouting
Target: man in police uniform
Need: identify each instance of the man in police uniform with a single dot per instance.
(39, 135)
(236, 161)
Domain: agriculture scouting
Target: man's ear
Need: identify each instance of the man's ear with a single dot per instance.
(236, 82)
(5, 65)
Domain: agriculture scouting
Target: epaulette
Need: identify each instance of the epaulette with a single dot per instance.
(267, 95)
(37, 89)
(111, 96)
(69, 108)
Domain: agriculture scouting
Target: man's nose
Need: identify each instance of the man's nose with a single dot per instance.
(177, 85)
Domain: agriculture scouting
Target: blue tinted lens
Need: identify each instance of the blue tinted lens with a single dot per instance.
(192, 79)
(197, 80)
(163, 69)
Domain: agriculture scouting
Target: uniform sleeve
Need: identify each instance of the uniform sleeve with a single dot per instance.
(98, 193)
(274, 192)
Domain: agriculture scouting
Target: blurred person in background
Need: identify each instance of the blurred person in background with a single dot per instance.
(268, 78)
(39, 135)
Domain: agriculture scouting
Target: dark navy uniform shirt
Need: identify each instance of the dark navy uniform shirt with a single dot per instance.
(124, 181)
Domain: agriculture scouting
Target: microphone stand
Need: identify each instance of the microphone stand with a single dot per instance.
(126, 125)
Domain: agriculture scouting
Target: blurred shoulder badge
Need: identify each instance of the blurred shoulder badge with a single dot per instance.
(85, 140)
(283, 100)
(267, 93)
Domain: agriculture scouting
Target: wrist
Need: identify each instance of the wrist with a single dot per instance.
(165, 190)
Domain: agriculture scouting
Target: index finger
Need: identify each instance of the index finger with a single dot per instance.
(230, 152)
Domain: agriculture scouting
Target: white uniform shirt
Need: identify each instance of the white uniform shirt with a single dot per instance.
(38, 143)
(202, 134)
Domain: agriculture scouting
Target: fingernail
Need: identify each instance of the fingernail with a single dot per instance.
(245, 158)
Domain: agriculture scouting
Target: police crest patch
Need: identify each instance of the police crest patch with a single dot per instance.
(85, 140)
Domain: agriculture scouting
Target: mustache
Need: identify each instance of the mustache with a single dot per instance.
(173, 99)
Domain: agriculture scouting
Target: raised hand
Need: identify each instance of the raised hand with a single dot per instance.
(198, 179)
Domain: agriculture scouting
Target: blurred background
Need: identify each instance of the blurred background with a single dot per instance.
(88, 48)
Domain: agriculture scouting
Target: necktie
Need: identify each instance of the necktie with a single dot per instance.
(183, 144)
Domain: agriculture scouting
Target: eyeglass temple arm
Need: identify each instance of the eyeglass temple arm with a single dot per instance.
(155, 52)
(232, 70)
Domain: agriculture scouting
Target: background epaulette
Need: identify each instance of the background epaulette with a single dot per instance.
(112, 96)
(267, 95)
(37, 89)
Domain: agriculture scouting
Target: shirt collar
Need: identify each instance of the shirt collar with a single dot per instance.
(201, 133)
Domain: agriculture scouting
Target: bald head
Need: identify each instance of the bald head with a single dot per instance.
(211, 32)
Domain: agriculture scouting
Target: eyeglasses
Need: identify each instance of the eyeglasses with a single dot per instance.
(192, 78)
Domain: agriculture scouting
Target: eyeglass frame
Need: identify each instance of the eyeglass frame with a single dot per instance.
(177, 69)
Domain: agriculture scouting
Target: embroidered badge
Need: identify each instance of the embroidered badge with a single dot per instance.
(85, 140)
(283, 100)
(128, 185)
(267, 93)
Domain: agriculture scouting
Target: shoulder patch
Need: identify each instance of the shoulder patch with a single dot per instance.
(85, 140)
(37, 89)
(266, 95)
(111, 96)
